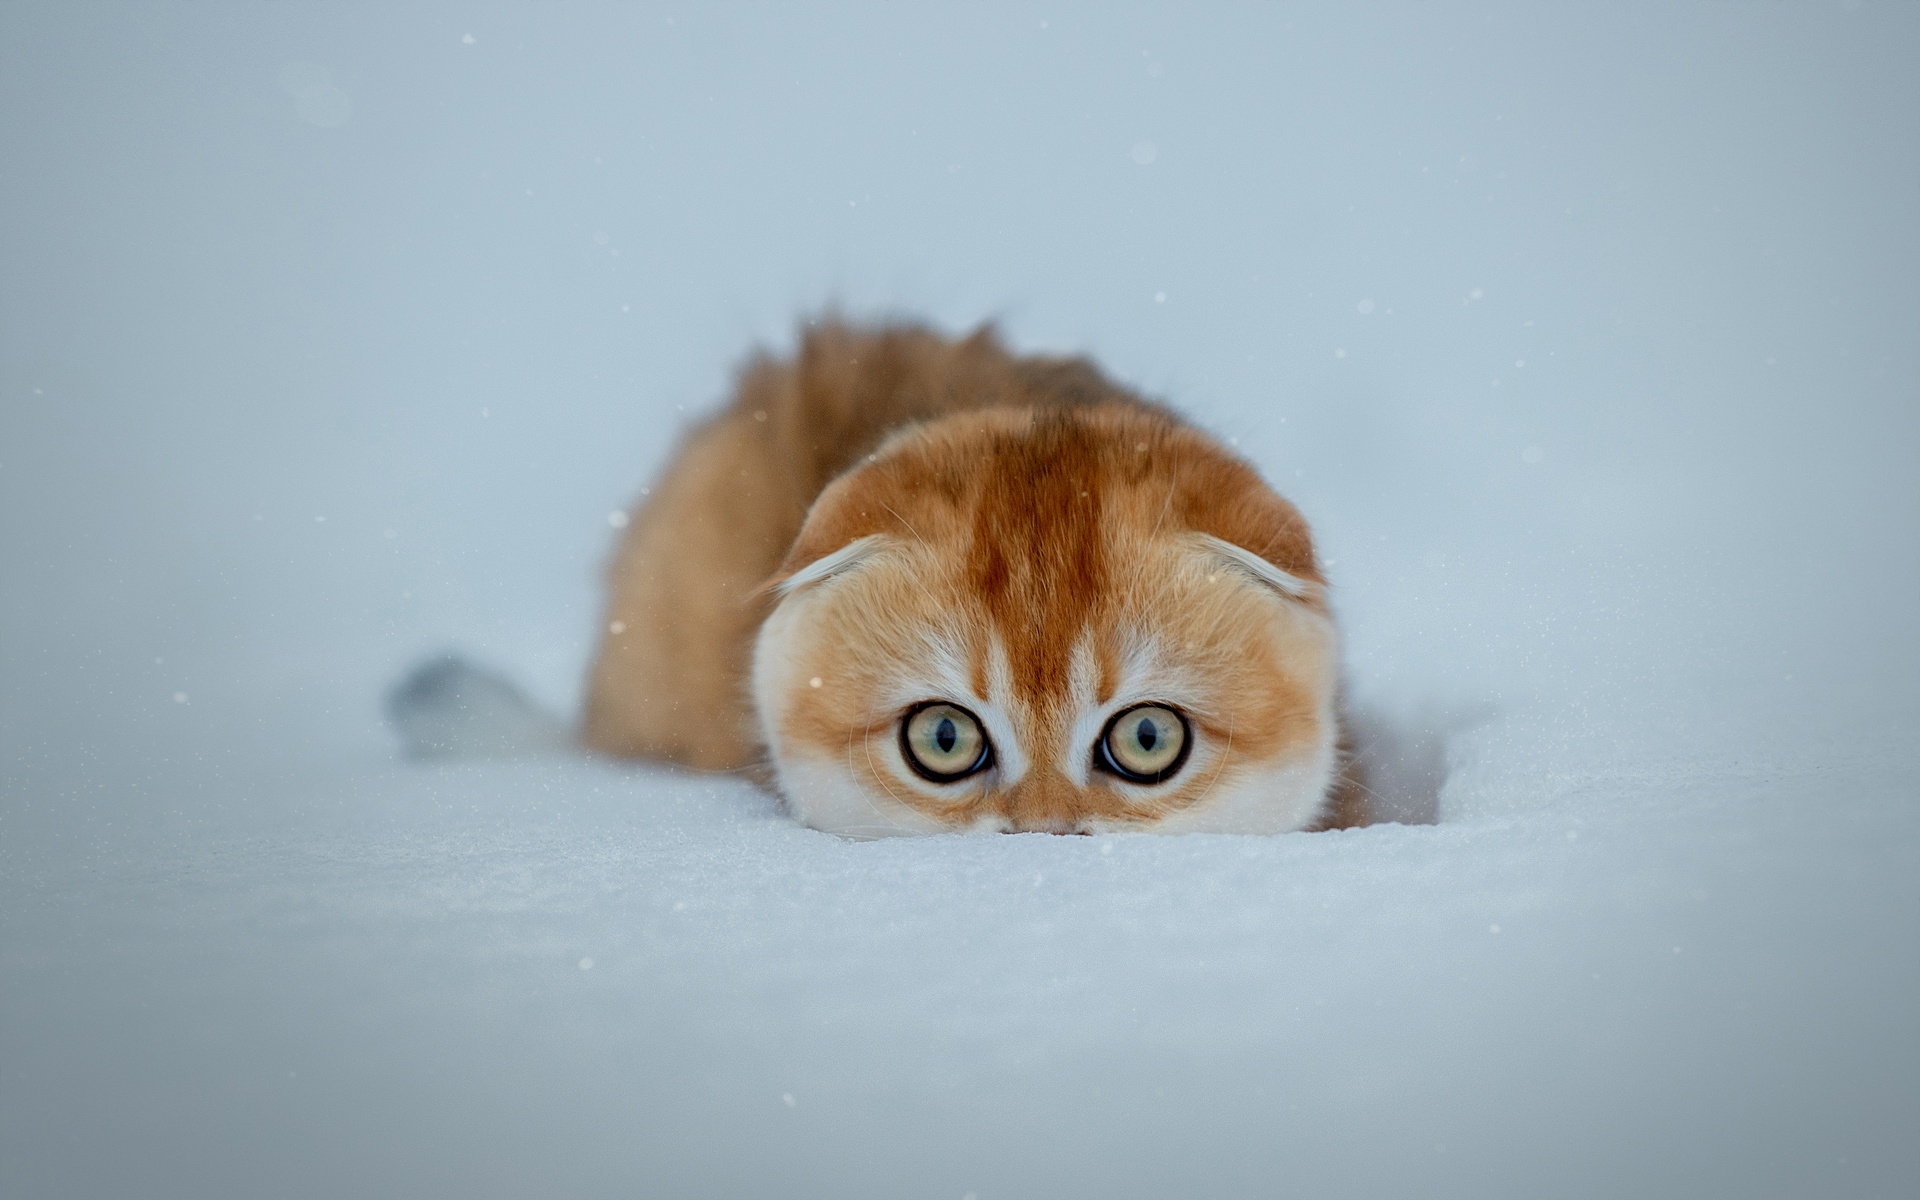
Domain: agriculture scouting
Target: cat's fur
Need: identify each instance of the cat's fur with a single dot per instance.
(895, 518)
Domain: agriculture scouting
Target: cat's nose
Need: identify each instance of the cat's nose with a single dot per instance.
(1044, 802)
(1045, 825)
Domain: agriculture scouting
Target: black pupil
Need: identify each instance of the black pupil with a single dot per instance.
(945, 735)
(1147, 733)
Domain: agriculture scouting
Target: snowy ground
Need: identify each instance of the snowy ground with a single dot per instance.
(329, 338)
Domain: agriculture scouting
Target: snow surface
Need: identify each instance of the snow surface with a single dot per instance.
(330, 337)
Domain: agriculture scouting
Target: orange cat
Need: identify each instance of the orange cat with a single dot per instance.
(938, 588)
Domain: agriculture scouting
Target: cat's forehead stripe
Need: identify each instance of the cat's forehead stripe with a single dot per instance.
(1038, 557)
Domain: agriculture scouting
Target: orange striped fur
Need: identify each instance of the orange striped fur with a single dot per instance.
(896, 519)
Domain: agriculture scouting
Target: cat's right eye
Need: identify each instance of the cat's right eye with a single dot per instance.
(1145, 744)
(944, 743)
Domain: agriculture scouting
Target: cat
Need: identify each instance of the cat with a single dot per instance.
(922, 585)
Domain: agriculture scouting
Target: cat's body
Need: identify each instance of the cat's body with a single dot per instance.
(936, 587)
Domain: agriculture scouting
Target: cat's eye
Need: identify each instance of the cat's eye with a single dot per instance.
(1145, 744)
(944, 742)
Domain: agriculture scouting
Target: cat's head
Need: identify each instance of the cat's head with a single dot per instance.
(1068, 620)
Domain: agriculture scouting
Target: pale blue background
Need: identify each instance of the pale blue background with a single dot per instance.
(330, 335)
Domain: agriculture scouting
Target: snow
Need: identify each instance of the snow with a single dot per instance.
(1631, 634)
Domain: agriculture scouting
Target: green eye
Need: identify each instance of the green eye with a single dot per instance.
(944, 742)
(1145, 744)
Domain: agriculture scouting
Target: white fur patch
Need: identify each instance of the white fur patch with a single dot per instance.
(829, 797)
(1261, 801)
(1076, 761)
(1010, 756)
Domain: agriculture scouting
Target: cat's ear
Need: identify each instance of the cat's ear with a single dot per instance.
(1258, 569)
(1222, 496)
(839, 562)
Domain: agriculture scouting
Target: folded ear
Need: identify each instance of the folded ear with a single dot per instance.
(1224, 501)
(1258, 569)
(838, 562)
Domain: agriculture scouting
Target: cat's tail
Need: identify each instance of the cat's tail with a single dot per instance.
(448, 708)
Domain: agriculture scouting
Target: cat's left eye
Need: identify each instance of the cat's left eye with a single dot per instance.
(944, 742)
(1145, 744)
